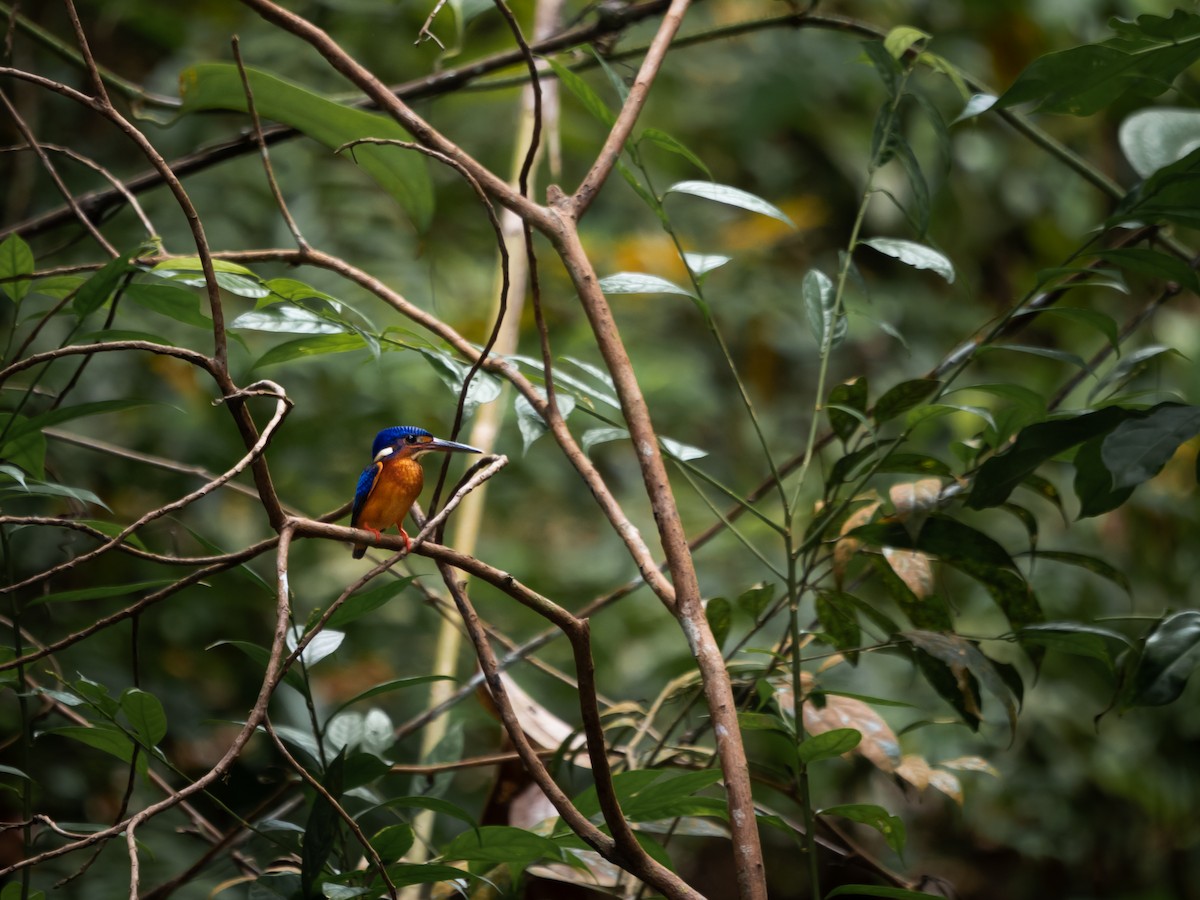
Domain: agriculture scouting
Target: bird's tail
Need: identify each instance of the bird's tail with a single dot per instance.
(360, 550)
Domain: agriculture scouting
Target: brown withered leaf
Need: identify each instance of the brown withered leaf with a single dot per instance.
(879, 743)
(915, 770)
(913, 568)
(540, 725)
(914, 501)
(845, 548)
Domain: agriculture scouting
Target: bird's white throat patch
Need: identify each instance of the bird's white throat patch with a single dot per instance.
(386, 451)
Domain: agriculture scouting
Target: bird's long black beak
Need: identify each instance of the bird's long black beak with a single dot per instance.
(450, 446)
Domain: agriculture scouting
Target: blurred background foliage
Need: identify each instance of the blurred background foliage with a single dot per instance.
(1076, 808)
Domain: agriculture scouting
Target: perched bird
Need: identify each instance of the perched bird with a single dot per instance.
(388, 487)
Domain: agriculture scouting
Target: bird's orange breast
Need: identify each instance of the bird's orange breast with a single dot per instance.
(396, 488)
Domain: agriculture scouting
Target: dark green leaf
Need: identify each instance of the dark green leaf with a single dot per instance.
(1074, 638)
(303, 348)
(1093, 564)
(836, 613)
(1102, 323)
(891, 827)
(16, 259)
(1153, 263)
(913, 463)
(361, 603)
(1160, 672)
(1035, 445)
(502, 844)
(322, 826)
(99, 592)
(392, 841)
(109, 738)
(145, 715)
(94, 292)
(903, 397)
(720, 617)
(436, 804)
(27, 450)
(828, 744)
(928, 612)
(262, 656)
(178, 303)
(851, 397)
(402, 173)
(753, 601)
(67, 414)
(1171, 195)
(1138, 448)
(1130, 367)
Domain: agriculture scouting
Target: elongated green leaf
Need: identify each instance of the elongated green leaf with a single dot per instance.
(891, 827)
(913, 254)
(828, 744)
(94, 292)
(402, 173)
(963, 658)
(363, 602)
(307, 347)
(1093, 564)
(673, 795)
(145, 715)
(100, 592)
(502, 844)
(387, 687)
(436, 804)
(1169, 195)
(67, 414)
(1138, 448)
(839, 622)
(666, 142)
(1160, 672)
(1097, 320)
(640, 283)
(24, 446)
(108, 738)
(1071, 359)
(322, 827)
(170, 300)
(262, 656)
(16, 260)
(1153, 263)
(583, 93)
(1143, 62)
(530, 422)
(903, 397)
(1075, 638)
(1036, 444)
(392, 841)
(703, 263)
(720, 617)
(731, 196)
(847, 407)
(826, 320)
(1129, 368)
(288, 319)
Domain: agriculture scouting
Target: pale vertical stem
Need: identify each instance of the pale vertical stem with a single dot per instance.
(489, 418)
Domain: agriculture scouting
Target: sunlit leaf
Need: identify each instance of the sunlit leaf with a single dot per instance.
(287, 319)
(913, 254)
(530, 422)
(640, 283)
(16, 260)
(731, 196)
(1158, 136)
(303, 348)
(323, 643)
(826, 317)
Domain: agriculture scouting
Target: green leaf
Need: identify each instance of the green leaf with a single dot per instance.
(484, 388)
(1138, 448)
(287, 319)
(703, 263)
(1090, 317)
(1077, 639)
(323, 826)
(844, 401)
(673, 795)
(828, 744)
(436, 804)
(583, 93)
(1093, 564)
(913, 254)
(1063, 356)
(108, 738)
(903, 38)
(1154, 138)
(100, 592)
(1169, 195)
(361, 603)
(1154, 264)
(530, 422)
(262, 656)
(826, 317)
(1034, 445)
(666, 142)
(754, 601)
(1129, 368)
(1158, 675)
(836, 613)
(731, 196)
(402, 173)
(94, 292)
(891, 827)
(178, 303)
(387, 687)
(145, 715)
(502, 844)
(641, 283)
(720, 617)
(16, 260)
(903, 397)
(392, 841)
(303, 348)
(1083, 80)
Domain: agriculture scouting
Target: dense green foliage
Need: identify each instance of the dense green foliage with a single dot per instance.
(910, 292)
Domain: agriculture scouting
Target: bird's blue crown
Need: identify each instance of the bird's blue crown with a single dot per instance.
(390, 435)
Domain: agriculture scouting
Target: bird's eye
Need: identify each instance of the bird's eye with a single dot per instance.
(411, 438)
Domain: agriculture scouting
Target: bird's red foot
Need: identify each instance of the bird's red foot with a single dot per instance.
(407, 542)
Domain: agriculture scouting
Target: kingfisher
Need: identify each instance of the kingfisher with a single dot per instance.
(388, 487)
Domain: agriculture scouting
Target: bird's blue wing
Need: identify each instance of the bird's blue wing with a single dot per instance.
(366, 481)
